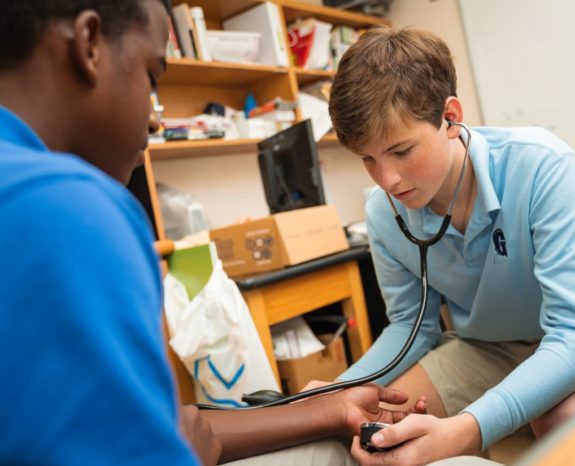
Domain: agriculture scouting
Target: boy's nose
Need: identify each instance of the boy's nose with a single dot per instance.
(388, 178)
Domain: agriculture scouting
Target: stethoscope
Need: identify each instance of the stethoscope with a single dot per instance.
(269, 398)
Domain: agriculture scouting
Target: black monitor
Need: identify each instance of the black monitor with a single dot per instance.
(289, 167)
(138, 184)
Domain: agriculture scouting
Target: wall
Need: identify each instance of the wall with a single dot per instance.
(522, 58)
(229, 186)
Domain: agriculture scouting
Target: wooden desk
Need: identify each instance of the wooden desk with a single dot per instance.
(277, 296)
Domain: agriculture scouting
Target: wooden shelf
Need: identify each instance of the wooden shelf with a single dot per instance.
(212, 147)
(223, 9)
(201, 148)
(187, 71)
(294, 9)
(305, 76)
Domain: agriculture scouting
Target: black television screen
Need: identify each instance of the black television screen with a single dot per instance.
(289, 168)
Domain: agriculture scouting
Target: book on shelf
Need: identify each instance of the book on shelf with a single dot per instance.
(173, 47)
(199, 31)
(310, 43)
(184, 28)
(265, 19)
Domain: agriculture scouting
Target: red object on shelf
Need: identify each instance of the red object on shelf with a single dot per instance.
(301, 42)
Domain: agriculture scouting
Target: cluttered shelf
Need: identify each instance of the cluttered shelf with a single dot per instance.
(212, 147)
(239, 71)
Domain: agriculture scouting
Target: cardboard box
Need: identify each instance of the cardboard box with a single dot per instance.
(282, 239)
(323, 365)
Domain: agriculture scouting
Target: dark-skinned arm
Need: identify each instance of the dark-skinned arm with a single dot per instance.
(251, 432)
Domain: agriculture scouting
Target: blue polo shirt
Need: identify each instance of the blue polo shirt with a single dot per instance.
(84, 376)
(511, 276)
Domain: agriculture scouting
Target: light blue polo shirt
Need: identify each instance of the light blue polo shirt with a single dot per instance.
(510, 277)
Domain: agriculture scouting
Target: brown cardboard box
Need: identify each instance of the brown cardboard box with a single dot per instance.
(322, 365)
(283, 239)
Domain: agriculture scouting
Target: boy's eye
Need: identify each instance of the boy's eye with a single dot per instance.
(406, 151)
(367, 159)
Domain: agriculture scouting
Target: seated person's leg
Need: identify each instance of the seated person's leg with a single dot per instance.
(554, 417)
(459, 371)
(321, 453)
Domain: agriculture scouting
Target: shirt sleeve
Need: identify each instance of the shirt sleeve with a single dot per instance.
(85, 375)
(548, 376)
(401, 291)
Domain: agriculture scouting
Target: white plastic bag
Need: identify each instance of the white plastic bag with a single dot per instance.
(215, 337)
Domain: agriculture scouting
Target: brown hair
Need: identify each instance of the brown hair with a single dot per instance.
(389, 76)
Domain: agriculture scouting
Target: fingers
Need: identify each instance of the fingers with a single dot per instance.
(412, 426)
(363, 457)
(420, 406)
(391, 396)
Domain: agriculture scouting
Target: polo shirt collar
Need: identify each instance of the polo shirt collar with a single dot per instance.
(14, 130)
(487, 201)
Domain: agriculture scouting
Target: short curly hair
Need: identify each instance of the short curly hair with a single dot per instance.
(389, 76)
(22, 22)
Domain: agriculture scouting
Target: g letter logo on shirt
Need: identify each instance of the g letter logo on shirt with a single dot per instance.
(499, 242)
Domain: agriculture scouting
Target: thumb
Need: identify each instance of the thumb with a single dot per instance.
(395, 434)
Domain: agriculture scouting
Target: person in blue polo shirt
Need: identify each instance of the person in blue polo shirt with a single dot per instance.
(505, 267)
(84, 375)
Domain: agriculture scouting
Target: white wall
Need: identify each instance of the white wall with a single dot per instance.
(229, 186)
(522, 53)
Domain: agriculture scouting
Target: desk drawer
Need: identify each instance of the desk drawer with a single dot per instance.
(298, 295)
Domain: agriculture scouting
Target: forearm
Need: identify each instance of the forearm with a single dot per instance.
(532, 388)
(386, 348)
(251, 432)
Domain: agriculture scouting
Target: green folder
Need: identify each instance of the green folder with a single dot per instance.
(193, 266)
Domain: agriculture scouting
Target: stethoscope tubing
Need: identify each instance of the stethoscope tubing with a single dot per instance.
(423, 245)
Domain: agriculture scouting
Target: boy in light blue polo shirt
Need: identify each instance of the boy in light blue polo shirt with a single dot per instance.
(506, 265)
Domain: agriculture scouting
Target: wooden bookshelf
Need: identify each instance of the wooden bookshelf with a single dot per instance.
(189, 84)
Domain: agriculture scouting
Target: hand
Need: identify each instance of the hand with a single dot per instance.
(422, 439)
(362, 404)
(316, 384)
(200, 436)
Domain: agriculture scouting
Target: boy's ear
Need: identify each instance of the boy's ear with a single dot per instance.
(453, 110)
(87, 42)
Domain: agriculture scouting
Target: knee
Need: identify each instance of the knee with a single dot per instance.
(554, 417)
